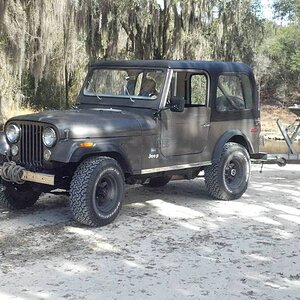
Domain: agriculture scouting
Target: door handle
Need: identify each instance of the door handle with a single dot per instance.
(205, 125)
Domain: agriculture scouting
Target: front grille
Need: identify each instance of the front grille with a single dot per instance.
(31, 145)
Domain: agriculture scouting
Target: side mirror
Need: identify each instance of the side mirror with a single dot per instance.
(177, 104)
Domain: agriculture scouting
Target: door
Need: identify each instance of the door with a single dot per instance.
(187, 132)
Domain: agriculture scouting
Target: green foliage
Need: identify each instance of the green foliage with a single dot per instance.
(287, 9)
(295, 61)
(47, 95)
(280, 81)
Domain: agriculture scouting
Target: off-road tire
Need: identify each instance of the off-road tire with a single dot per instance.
(14, 196)
(159, 181)
(95, 180)
(228, 179)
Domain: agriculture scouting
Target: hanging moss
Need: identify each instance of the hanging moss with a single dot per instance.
(45, 46)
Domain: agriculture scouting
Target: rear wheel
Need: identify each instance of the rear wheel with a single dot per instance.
(97, 191)
(228, 179)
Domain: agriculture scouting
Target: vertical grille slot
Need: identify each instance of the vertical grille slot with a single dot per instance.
(31, 144)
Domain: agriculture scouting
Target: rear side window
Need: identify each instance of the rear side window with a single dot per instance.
(234, 93)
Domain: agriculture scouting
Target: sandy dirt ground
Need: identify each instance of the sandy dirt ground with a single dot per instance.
(168, 243)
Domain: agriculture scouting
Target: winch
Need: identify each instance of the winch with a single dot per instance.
(11, 172)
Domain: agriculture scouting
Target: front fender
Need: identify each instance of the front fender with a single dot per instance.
(70, 151)
(4, 146)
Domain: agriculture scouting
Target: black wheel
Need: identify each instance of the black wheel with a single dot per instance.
(228, 179)
(14, 196)
(97, 191)
(159, 181)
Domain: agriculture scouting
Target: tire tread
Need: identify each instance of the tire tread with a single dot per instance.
(78, 189)
(212, 174)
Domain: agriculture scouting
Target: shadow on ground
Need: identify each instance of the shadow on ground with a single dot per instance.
(168, 243)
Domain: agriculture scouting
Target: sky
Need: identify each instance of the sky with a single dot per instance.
(267, 9)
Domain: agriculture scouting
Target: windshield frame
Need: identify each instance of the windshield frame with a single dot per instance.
(122, 100)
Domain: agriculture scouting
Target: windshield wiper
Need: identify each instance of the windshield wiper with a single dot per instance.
(126, 90)
(95, 93)
(127, 78)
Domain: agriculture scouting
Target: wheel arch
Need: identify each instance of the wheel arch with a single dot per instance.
(108, 151)
(71, 152)
(235, 136)
(122, 161)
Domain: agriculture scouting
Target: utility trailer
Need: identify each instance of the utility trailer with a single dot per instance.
(290, 135)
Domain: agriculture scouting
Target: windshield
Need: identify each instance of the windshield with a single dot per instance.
(134, 84)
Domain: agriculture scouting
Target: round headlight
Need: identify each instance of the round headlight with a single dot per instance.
(49, 137)
(12, 133)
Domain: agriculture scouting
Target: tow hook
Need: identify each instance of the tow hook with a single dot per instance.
(280, 161)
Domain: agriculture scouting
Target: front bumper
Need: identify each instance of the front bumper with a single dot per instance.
(11, 172)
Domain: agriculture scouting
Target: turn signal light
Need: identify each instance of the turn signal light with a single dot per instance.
(87, 145)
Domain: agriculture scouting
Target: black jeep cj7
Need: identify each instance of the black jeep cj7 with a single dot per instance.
(135, 122)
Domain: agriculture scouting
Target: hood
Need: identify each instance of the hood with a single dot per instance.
(92, 123)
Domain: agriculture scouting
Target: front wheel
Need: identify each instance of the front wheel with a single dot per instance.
(97, 191)
(228, 179)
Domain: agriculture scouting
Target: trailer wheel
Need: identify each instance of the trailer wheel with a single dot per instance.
(97, 191)
(228, 179)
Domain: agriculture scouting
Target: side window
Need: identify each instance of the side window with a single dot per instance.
(234, 92)
(198, 92)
